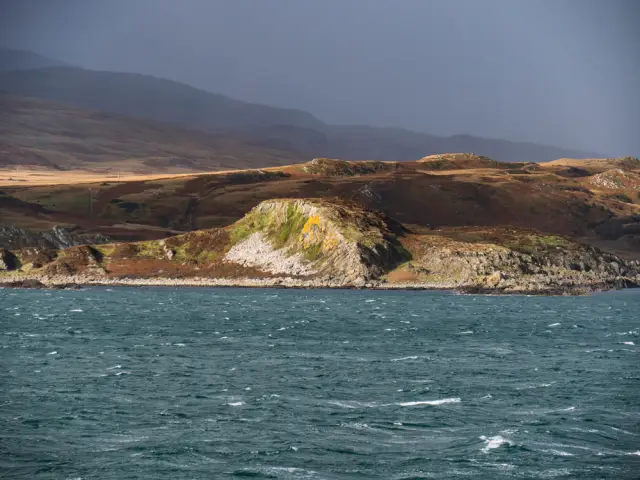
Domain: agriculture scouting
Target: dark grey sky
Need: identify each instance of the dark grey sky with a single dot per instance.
(563, 72)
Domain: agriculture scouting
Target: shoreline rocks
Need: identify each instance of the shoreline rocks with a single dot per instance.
(524, 288)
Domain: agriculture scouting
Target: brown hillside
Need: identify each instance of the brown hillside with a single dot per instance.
(461, 161)
(546, 200)
(595, 165)
(36, 133)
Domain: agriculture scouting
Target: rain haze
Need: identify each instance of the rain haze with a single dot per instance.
(563, 73)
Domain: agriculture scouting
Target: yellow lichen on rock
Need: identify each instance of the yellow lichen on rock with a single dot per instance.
(318, 232)
(313, 231)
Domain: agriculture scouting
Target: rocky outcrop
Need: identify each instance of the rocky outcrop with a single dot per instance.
(8, 260)
(12, 238)
(526, 263)
(332, 167)
(29, 283)
(82, 258)
(333, 239)
(456, 161)
(616, 178)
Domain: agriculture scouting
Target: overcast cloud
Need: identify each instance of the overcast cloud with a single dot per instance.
(560, 72)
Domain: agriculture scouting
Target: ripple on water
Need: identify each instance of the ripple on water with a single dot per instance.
(170, 383)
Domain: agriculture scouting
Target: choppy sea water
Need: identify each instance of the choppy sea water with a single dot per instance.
(150, 383)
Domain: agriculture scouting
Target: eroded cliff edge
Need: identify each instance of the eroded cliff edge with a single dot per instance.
(333, 243)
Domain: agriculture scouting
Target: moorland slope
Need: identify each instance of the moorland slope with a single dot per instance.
(594, 204)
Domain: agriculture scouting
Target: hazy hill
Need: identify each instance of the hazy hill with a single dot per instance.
(38, 132)
(148, 97)
(172, 102)
(11, 59)
(365, 142)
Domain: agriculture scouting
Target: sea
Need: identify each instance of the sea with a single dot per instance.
(217, 383)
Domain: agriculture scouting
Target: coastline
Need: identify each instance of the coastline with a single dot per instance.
(319, 243)
(76, 281)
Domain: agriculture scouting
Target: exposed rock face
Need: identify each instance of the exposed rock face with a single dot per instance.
(541, 264)
(58, 237)
(8, 260)
(615, 179)
(30, 283)
(82, 258)
(256, 251)
(333, 239)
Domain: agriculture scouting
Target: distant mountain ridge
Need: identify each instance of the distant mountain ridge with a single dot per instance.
(12, 59)
(167, 101)
(149, 97)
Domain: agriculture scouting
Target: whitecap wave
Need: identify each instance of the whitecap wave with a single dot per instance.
(354, 404)
(560, 453)
(401, 359)
(341, 404)
(235, 404)
(355, 425)
(495, 442)
(441, 401)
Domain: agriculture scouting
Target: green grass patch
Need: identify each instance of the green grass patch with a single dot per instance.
(251, 223)
(532, 244)
(278, 232)
(151, 248)
(290, 228)
(313, 252)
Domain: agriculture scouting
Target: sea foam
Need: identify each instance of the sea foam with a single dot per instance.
(400, 359)
(494, 442)
(441, 401)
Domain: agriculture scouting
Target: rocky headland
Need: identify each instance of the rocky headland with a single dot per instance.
(332, 243)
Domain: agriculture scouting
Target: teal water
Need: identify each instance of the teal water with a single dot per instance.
(155, 383)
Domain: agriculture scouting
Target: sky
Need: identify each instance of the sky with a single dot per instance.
(559, 72)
